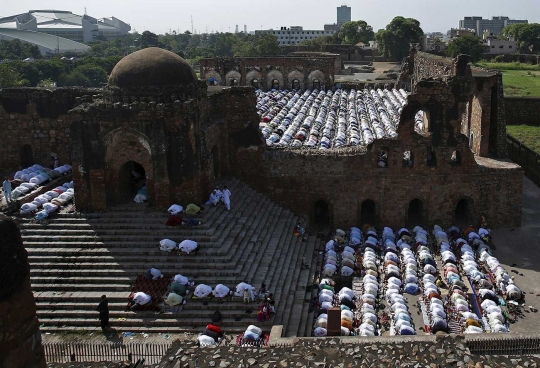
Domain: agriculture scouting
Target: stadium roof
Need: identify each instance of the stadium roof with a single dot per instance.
(46, 42)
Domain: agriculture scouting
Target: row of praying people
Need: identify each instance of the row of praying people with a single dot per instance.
(242, 290)
(370, 293)
(326, 119)
(187, 246)
(344, 299)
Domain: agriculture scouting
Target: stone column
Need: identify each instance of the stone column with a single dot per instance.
(20, 338)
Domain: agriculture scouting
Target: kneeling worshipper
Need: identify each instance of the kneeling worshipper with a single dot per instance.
(214, 198)
(167, 245)
(188, 246)
(174, 220)
(193, 209)
(175, 209)
(139, 299)
(243, 286)
(153, 274)
(252, 334)
(183, 280)
(178, 288)
(174, 299)
(221, 291)
(202, 291)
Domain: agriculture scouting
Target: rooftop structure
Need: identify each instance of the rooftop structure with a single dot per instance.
(296, 34)
(47, 44)
(80, 28)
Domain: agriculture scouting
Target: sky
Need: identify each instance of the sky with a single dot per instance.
(160, 16)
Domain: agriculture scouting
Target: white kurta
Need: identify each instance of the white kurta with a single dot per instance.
(221, 291)
(181, 279)
(227, 198)
(214, 199)
(241, 287)
(175, 209)
(202, 291)
(155, 273)
(167, 245)
(141, 298)
(187, 246)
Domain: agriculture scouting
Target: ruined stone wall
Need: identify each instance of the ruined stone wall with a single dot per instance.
(36, 118)
(431, 66)
(20, 339)
(283, 69)
(522, 110)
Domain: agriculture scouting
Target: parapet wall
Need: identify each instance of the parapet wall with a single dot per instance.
(20, 339)
(522, 110)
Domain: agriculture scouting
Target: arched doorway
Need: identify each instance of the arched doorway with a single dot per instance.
(27, 156)
(255, 83)
(321, 215)
(416, 214)
(215, 160)
(233, 82)
(464, 212)
(295, 84)
(316, 84)
(131, 178)
(368, 213)
(275, 84)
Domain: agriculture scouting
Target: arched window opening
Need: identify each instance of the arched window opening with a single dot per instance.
(295, 84)
(234, 82)
(408, 159)
(132, 178)
(27, 156)
(464, 213)
(431, 157)
(316, 84)
(421, 121)
(368, 213)
(275, 84)
(455, 159)
(255, 83)
(321, 215)
(212, 82)
(382, 158)
(416, 214)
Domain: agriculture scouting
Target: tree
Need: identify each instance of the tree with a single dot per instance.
(149, 39)
(396, 39)
(9, 77)
(260, 44)
(87, 75)
(355, 32)
(317, 44)
(469, 45)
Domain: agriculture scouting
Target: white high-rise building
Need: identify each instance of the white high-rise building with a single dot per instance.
(295, 35)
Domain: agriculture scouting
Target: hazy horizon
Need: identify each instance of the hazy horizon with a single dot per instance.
(221, 16)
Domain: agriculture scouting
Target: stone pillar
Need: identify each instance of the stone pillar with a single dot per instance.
(20, 338)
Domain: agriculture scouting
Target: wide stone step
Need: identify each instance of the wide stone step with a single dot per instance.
(167, 269)
(120, 306)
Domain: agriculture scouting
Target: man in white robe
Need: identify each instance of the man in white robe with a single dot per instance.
(202, 291)
(221, 291)
(167, 245)
(227, 198)
(240, 290)
(139, 299)
(219, 194)
(175, 209)
(188, 246)
(183, 280)
(214, 198)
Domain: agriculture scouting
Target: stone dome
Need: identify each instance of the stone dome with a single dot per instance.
(152, 67)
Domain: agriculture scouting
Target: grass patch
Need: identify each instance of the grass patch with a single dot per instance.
(508, 66)
(521, 83)
(527, 134)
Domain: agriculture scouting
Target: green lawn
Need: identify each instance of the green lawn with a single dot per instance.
(530, 135)
(521, 83)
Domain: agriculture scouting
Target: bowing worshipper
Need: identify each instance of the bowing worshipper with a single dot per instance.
(153, 274)
(243, 286)
(6, 186)
(202, 291)
(193, 209)
(174, 299)
(221, 291)
(139, 299)
(175, 209)
(178, 288)
(183, 280)
(167, 245)
(227, 198)
(214, 198)
(103, 309)
(188, 246)
(174, 220)
(192, 222)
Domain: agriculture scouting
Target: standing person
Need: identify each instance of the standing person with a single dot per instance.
(6, 185)
(103, 309)
(227, 198)
(56, 162)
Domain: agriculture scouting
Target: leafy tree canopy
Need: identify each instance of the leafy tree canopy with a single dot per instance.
(396, 39)
(355, 32)
(469, 45)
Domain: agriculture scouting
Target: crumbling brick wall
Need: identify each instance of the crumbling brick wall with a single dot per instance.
(20, 339)
(522, 110)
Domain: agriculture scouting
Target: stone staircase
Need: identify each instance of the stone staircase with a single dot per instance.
(76, 258)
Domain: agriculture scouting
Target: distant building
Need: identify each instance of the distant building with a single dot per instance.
(295, 35)
(343, 14)
(502, 46)
(495, 24)
(332, 27)
(80, 28)
(462, 32)
(47, 44)
(433, 42)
